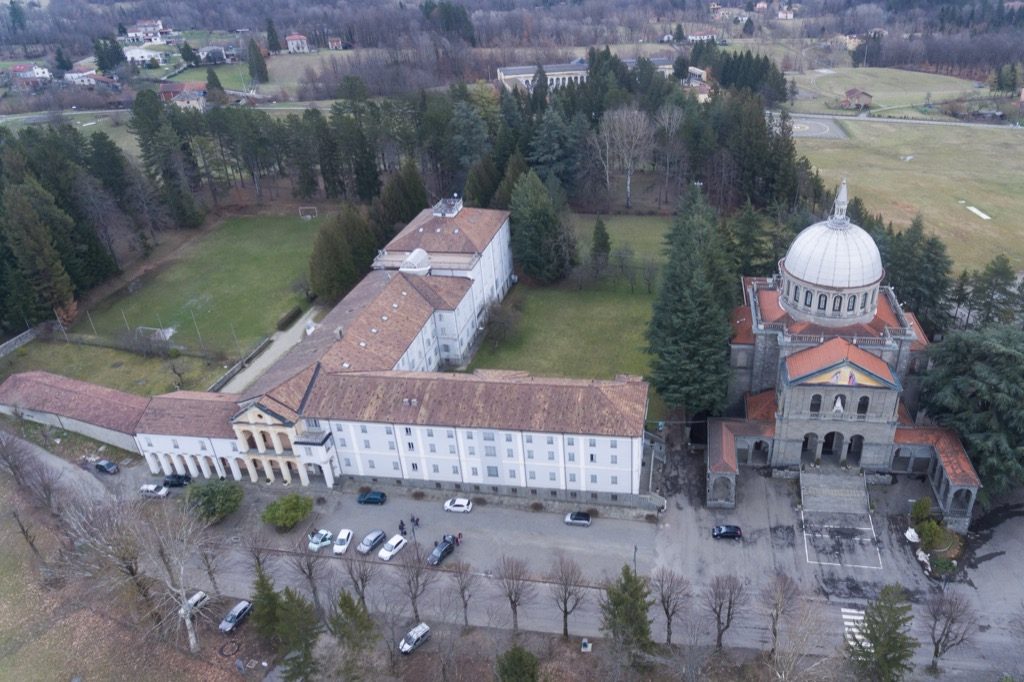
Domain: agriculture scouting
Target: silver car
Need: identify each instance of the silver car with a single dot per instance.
(372, 540)
(235, 616)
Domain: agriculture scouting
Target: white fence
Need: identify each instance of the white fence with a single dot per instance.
(17, 342)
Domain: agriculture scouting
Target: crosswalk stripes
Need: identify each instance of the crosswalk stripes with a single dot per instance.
(853, 619)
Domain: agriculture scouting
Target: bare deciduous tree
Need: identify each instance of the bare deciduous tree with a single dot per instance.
(256, 545)
(803, 633)
(392, 617)
(514, 581)
(668, 121)
(465, 582)
(26, 533)
(632, 138)
(671, 591)
(650, 273)
(43, 483)
(778, 598)
(600, 141)
(415, 575)
(567, 588)
(951, 622)
(724, 597)
(311, 566)
(361, 572)
(623, 257)
(14, 458)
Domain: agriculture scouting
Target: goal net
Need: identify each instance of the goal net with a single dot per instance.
(307, 212)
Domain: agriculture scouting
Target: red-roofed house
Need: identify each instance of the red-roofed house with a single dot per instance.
(297, 43)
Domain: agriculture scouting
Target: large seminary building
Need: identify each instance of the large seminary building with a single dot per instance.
(362, 398)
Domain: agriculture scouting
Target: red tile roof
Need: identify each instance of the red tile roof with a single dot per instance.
(469, 231)
(885, 316)
(722, 435)
(921, 341)
(949, 449)
(833, 352)
(89, 403)
(742, 326)
(189, 413)
(761, 406)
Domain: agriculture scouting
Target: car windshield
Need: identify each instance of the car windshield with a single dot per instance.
(390, 546)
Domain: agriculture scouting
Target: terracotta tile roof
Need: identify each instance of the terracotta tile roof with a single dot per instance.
(761, 406)
(379, 336)
(443, 293)
(772, 311)
(89, 403)
(742, 326)
(286, 400)
(722, 435)
(833, 352)
(189, 413)
(921, 339)
(949, 449)
(469, 231)
(903, 415)
(496, 400)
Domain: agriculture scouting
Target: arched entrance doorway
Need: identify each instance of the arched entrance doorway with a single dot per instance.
(832, 446)
(853, 452)
(809, 449)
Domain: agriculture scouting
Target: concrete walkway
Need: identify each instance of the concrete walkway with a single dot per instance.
(84, 480)
(281, 343)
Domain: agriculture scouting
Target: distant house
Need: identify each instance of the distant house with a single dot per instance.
(108, 83)
(82, 78)
(147, 31)
(697, 75)
(560, 75)
(29, 77)
(695, 38)
(139, 56)
(335, 43)
(856, 99)
(297, 43)
(761, 6)
(785, 14)
(190, 99)
(700, 90)
(171, 89)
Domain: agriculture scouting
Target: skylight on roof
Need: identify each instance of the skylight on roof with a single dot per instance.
(362, 344)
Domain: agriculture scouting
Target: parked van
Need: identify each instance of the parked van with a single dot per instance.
(418, 635)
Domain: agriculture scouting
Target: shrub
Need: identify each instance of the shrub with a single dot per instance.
(536, 506)
(418, 495)
(215, 500)
(594, 513)
(930, 533)
(479, 501)
(365, 489)
(651, 518)
(287, 511)
(517, 665)
(921, 511)
(288, 318)
(942, 566)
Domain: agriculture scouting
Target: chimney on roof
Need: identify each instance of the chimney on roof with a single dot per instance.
(405, 401)
(448, 207)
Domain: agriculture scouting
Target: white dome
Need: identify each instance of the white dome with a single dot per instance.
(836, 254)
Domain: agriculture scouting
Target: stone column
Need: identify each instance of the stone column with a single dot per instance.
(250, 466)
(179, 463)
(260, 443)
(303, 476)
(275, 438)
(204, 465)
(328, 475)
(152, 462)
(286, 470)
(191, 464)
(235, 472)
(268, 470)
(165, 463)
(818, 446)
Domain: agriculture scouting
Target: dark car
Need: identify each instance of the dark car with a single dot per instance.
(441, 550)
(235, 616)
(105, 466)
(177, 480)
(372, 497)
(727, 532)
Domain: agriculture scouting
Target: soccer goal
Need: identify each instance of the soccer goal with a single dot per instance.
(307, 212)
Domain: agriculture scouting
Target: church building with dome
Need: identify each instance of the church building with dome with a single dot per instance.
(820, 355)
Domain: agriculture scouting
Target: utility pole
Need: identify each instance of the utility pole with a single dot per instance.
(201, 345)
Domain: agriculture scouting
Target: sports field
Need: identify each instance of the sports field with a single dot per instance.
(233, 283)
(939, 171)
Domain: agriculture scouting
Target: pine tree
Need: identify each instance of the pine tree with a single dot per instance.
(481, 183)
(748, 242)
(273, 41)
(624, 616)
(302, 157)
(331, 269)
(355, 630)
(918, 269)
(542, 246)
(359, 236)
(257, 64)
(402, 198)
(885, 647)
(213, 80)
(689, 329)
(266, 605)
(298, 629)
(107, 163)
(514, 169)
(548, 146)
(61, 61)
(468, 134)
(993, 293)
(189, 55)
(16, 13)
(538, 94)
(600, 247)
(329, 154)
(364, 162)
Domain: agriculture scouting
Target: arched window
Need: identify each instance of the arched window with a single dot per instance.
(862, 405)
(815, 403)
(839, 406)
(808, 298)
(787, 289)
(874, 296)
(851, 303)
(837, 304)
(822, 301)
(864, 301)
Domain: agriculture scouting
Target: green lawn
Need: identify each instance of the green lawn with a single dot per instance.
(645, 234)
(952, 167)
(232, 76)
(888, 87)
(113, 368)
(235, 280)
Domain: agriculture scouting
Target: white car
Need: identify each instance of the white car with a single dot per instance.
(319, 539)
(153, 490)
(458, 504)
(393, 547)
(343, 540)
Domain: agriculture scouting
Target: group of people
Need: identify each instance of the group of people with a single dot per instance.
(414, 520)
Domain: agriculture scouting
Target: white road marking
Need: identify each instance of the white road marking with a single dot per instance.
(978, 213)
(853, 620)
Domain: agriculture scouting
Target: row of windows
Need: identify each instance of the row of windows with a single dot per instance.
(839, 404)
(492, 472)
(202, 444)
(837, 300)
(487, 436)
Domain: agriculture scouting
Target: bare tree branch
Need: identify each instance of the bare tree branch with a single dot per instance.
(415, 575)
(14, 458)
(777, 599)
(567, 588)
(311, 566)
(514, 582)
(465, 582)
(671, 591)
(724, 597)
(951, 622)
(361, 572)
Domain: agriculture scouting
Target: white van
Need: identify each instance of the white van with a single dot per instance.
(194, 602)
(418, 635)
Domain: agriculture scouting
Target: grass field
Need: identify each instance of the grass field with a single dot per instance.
(888, 87)
(232, 76)
(235, 280)
(108, 367)
(949, 165)
(645, 234)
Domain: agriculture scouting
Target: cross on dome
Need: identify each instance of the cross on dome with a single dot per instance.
(839, 218)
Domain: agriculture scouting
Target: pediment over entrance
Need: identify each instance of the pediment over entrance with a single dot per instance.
(258, 413)
(846, 374)
(837, 362)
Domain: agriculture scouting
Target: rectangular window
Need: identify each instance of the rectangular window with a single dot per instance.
(313, 423)
(308, 450)
(615, 459)
(614, 443)
(571, 441)
(433, 448)
(394, 465)
(492, 472)
(362, 428)
(593, 457)
(489, 435)
(391, 445)
(430, 433)
(366, 444)
(533, 475)
(508, 452)
(411, 446)
(234, 446)
(551, 455)
(472, 450)
(551, 440)
(508, 437)
(615, 480)
(149, 442)
(455, 469)
(415, 466)
(473, 471)
(552, 476)
(343, 443)
(387, 430)
(348, 462)
(202, 445)
(512, 474)
(490, 451)
(572, 478)
(529, 454)
(451, 434)
(593, 442)
(174, 442)
(451, 449)
(469, 435)
(593, 478)
(572, 456)
(370, 464)
(529, 438)
(408, 431)
(436, 469)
